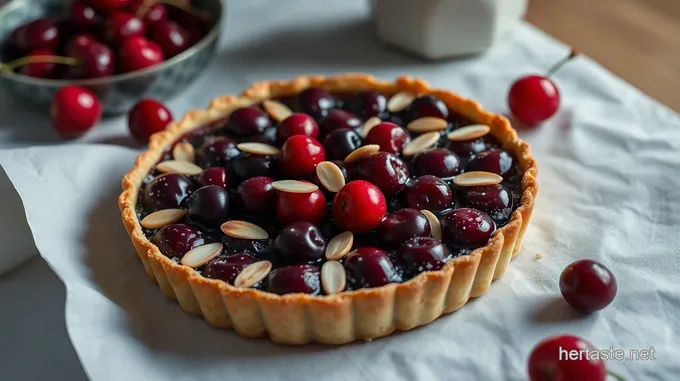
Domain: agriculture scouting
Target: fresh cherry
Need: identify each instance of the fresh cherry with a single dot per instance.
(297, 124)
(248, 121)
(299, 242)
(83, 17)
(106, 6)
(227, 268)
(400, 226)
(550, 360)
(257, 194)
(303, 279)
(315, 102)
(137, 53)
(390, 137)
(168, 191)
(494, 160)
(336, 119)
(247, 166)
(300, 155)
(146, 118)
(587, 285)
(388, 172)
(423, 254)
(494, 200)
(175, 240)
(340, 143)
(467, 227)
(292, 207)
(95, 59)
(347, 172)
(171, 37)
(39, 69)
(74, 111)
(427, 105)
(208, 207)
(370, 267)
(428, 192)
(154, 14)
(38, 34)
(465, 149)
(437, 162)
(120, 25)
(217, 152)
(359, 207)
(368, 104)
(213, 176)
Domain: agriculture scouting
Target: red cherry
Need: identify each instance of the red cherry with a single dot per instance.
(294, 207)
(389, 136)
(120, 25)
(564, 358)
(300, 155)
(136, 53)
(213, 176)
(82, 16)
(38, 34)
(171, 37)
(155, 13)
(106, 6)
(96, 60)
(74, 111)
(359, 207)
(40, 69)
(588, 285)
(297, 124)
(146, 118)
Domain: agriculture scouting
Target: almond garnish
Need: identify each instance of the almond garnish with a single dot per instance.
(330, 176)
(427, 124)
(199, 256)
(339, 246)
(468, 132)
(253, 274)
(400, 101)
(294, 186)
(184, 151)
(369, 124)
(259, 149)
(477, 178)
(179, 166)
(277, 110)
(243, 230)
(362, 152)
(435, 225)
(161, 218)
(333, 277)
(421, 143)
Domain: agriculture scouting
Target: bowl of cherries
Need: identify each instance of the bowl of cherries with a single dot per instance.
(120, 50)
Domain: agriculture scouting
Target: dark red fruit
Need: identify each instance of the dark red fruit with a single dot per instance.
(427, 105)
(293, 207)
(297, 124)
(208, 207)
(74, 111)
(465, 149)
(336, 119)
(257, 194)
(171, 37)
(340, 143)
(437, 162)
(423, 254)
(38, 34)
(494, 200)
(467, 227)
(120, 25)
(248, 166)
(175, 240)
(246, 246)
(368, 104)
(300, 155)
(388, 172)
(533, 99)
(137, 53)
(168, 191)
(154, 14)
(400, 226)
(217, 152)
(106, 6)
(370, 267)
(40, 69)
(95, 59)
(299, 242)
(83, 17)
(495, 161)
(315, 102)
(428, 192)
(213, 176)
(551, 360)
(146, 118)
(227, 268)
(587, 285)
(359, 207)
(389, 136)
(248, 121)
(295, 279)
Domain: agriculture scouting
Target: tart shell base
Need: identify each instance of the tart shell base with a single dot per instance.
(362, 314)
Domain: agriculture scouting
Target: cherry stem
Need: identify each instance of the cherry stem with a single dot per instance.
(181, 4)
(617, 376)
(561, 62)
(38, 59)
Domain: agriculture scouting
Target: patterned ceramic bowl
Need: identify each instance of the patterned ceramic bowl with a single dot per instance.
(117, 93)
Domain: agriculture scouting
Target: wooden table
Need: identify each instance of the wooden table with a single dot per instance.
(638, 40)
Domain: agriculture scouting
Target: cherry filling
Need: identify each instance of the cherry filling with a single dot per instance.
(298, 208)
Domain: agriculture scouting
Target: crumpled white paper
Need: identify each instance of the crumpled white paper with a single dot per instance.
(609, 190)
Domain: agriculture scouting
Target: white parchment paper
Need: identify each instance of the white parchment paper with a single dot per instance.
(609, 190)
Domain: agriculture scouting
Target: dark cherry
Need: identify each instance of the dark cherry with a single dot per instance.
(494, 200)
(227, 268)
(340, 143)
(359, 207)
(96, 60)
(423, 254)
(137, 53)
(297, 124)
(495, 160)
(175, 240)
(257, 194)
(299, 242)
(467, 227)
(120, 25)
(549, 361)
(166, 191)
(390, 137)
(146, 118)
(466, 149)
(266, 137)
(293, 207)
(74, 111)
(40, 69)
(154, 14)
(438, 162)
(303, 279)
(83, 17)
(386, 171)
(428, 192)
(252, 247)
(400, 226)
(248, 121)
(171, 37)
(315, 102)
(208, 207)
(299, 156)
(587, 285)
(38, 34)
(336, 119)
(217, 152)
(213, 176)
(427, 105)
(248, 166)
(368, 104)
(106, 6)
(370, 267)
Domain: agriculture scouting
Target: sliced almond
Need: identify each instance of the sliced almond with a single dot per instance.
(477, 178)
(161, 218)
(427, 124)
(199, 256)
(435, 225)
(339, 246)
(259, 149)
(369, 124)
(333, 277)
(421, 143)
(179, 166)
(277, 110)
(184, 151)
(294, 186)
(400, 101)
(253, 274)
(330, 176)
(362, 152)
(243, 230)
(468, 132)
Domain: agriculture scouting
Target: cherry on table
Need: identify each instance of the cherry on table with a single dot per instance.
(74, 111)
(83, 17)
(437, 162)
(257, 194)
(217, 152)
(146, 118)
(292, 207)
(137, 53)
(120, 25)
(387, 171)
(299, 156)
(213, 176)
(422, 254)
(390, 137)
(549, 360)
(297, 124)
(466, 227)
(400, 226)
(167, 191)
(370, 267)
(248, 120)
(315, 102)
(336, 119)
(428, 192)
(39, 34)
(340, 143)
(427, 105)
(96, 60)
(171, 37)
(228, 267)
(359, 207)
(588, 285)
(299, 242)
(303, 279)
(175, 240)
(209, 207)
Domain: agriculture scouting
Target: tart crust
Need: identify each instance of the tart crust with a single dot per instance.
(362, 314)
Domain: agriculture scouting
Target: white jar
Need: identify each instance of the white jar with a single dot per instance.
(443, 28)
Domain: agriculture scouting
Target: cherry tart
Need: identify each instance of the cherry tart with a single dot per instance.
(330, 209)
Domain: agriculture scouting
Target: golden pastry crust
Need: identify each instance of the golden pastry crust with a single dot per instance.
(352, 315)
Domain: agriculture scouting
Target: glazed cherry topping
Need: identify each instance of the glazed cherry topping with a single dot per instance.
(437, 162)
(299, 156)
(227, 268)
(297, 124)
(547, 361)
(336, 119)
(257, 194)
(299, 242)
(359, 207)
(252, 247)
(423, 254)
(171, 37)
(587, 285)
(427, 105)
(248, 166)
(137, 53)
(213, 176)
(494, 200)
(217, 152)
(38, 34)
(293, 207)
(388, 172)
(106, 6)
(370, 267)
(95, 59)
(533, 99)
(400, 226)
(120, 25)
(465, 149)
(83, 17)
(466, 227)
(295, 279)
(428, 192)
(390, 137)
(146, 118)
(315, 102)
(208, 207)
(495, 161)
(74, 111)
(154, 14)
(248, 121)
(166, 191)
(176, 239)
(368, 104)
(40, 69)
(340, 143)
